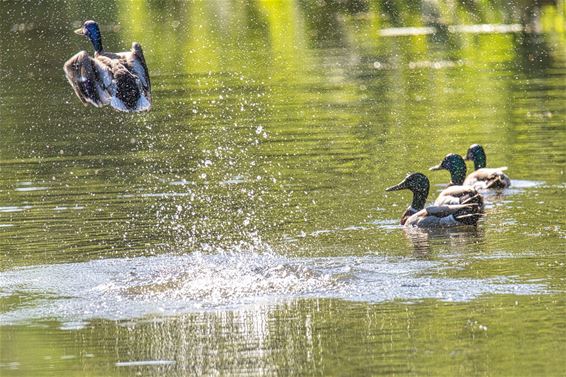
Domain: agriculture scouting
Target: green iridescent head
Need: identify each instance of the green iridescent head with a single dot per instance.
(476, 154)
(456, 165)
(91, 30)
(419, 185)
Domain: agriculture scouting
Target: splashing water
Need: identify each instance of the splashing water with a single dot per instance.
(173, 284)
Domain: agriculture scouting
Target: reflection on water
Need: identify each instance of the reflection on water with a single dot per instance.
(242, 228)
(423, 239)
(296, 337)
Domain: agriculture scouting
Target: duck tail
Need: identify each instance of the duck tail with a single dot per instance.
(475, 198)
(473, 210)
(468, 216)
(496, 183)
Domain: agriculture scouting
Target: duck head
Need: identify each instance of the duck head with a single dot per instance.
(419, 185)
(456, 165)
(476, 154)
(91, 30)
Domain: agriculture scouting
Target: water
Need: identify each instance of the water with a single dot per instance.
(242, 227)
(169, 285)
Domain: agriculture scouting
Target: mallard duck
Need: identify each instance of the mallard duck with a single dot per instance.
(118, 79)
(484, 177)
(466, 212)
(457, 190)
(456, 165)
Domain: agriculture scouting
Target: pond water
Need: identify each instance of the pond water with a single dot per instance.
(242, 228)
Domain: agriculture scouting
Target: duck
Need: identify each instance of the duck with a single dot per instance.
(467, 211)
(120, 80)
(484, 177)
(457, 190)
(456, 165)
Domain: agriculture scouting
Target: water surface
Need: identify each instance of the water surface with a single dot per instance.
(242, 227)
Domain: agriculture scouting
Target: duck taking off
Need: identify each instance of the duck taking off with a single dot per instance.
(465, 209)
(120, 80)
(484, 177)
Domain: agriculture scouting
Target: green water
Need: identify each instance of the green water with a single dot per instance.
(242, 228)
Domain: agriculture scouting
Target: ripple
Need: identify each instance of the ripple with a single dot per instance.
(14, 208)
(144, 363)
(181, 182)
(68, 208)
(156, 195)
(31, 188)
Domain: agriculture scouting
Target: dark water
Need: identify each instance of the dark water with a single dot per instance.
(242, 228)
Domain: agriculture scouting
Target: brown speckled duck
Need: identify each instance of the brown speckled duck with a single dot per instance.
(120, 80)
(448, 210)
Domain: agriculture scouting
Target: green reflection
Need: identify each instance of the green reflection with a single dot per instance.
(315, 337)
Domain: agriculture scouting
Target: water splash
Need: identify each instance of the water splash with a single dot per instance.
(172, 284)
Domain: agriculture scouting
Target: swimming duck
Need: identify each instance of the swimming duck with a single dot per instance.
(483, 177)
(456, 165)
(457, 190)
(118, 79)
(466, 212)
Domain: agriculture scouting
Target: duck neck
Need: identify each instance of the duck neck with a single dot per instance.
(480, 161)
(419, 200)
(96, 40)
(458, 175)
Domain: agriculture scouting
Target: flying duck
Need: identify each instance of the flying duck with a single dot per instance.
(120, 80)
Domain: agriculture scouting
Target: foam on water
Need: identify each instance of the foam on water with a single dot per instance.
(172, 284)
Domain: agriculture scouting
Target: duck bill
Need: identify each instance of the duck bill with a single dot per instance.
(436, 167)
(400, 186)
(80, 31)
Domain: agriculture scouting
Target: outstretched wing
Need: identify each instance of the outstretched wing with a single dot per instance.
(128, 92)
(134, 60)
(89, 79)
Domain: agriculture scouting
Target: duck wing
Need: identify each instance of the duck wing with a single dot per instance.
(127, 91)
(424, 219)
(446, 215)
(489, 178)
(447, 210)
(457, 195)
(134, 61)
(89, 78)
